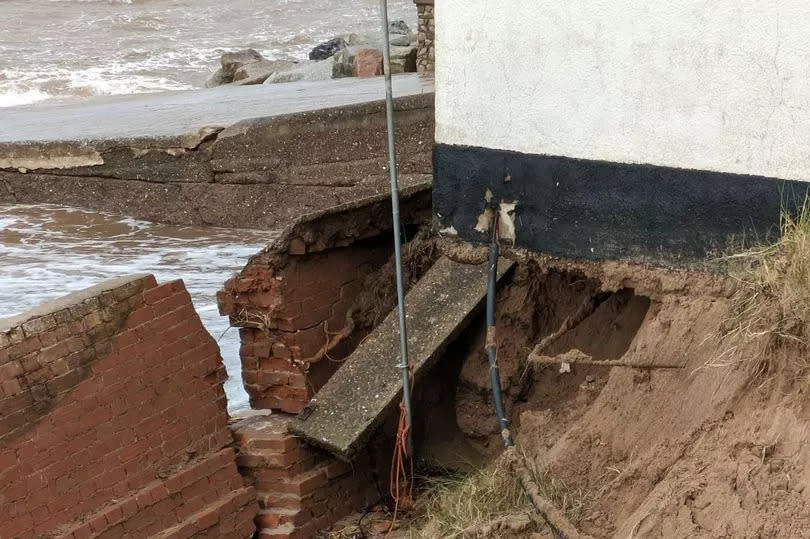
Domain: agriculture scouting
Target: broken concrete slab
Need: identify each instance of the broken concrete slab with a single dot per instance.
(259, 174)
(353, 402)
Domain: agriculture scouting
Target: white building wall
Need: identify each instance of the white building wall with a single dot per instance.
(721, 85)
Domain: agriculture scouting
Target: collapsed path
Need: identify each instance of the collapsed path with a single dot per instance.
(248, 157)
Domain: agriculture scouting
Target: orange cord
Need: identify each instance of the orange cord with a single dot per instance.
(401, 479)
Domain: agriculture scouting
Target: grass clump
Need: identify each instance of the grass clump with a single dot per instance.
(468, 505)
(770, 308)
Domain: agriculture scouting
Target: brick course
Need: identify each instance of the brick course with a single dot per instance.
(300, 489)
(113, 420)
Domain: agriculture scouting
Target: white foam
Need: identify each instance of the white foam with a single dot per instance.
(11, 98)
(83, 48)
(48, 251)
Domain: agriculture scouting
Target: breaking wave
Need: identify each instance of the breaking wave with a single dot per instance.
(83, 48)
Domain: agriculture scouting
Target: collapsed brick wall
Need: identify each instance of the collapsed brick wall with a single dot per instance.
(293, 301)
(113, 420)
(300, 489)
(425, 48)
(298, 313)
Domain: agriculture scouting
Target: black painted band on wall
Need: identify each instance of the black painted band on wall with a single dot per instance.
(604, 210)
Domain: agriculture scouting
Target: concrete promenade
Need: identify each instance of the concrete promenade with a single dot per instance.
(169, 114)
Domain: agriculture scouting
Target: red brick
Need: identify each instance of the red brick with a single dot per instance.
(178, 304)
(144, 500)
(30, 344)
(98, 524)
(114, 515)
(157, 293)
(23, 524)
(225, 302)
(281, 351)
(83, 532)
(176, 285)
(273, 378)
(125, 339)
(149, 281)
(268, 519)
(207, 520)
(244, 285)
(337, 469)
(304, 485)
(11, 387)
(123, 424)
(140, 316)
(8, 458)
(163, 508)
(281, 365)
(189, 507)
(290, 392)
(129, 507)
(12, 369)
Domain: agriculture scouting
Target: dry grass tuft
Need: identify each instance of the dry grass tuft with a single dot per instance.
(771, 307)
(465, 505)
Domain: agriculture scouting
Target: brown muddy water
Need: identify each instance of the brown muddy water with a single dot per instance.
(47, 251)
(69, 49)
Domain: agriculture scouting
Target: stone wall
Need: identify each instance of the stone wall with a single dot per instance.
(113, 420)
(259, 173)
(426, 52)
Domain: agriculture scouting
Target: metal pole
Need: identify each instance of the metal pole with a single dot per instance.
(492, 349)
(392, 166)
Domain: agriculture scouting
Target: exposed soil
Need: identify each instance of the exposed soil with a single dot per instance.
(663, 446)
(695, 451)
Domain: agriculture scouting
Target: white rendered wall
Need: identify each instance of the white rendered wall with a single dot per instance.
(719, 85)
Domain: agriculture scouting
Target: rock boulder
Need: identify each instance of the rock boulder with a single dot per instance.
(258, 72)
(327, 49)
(398, 27)
(356, 39)
(399, 40)
(231, 61)
(368, 63)
(403, 59)
(343, 63)
(304, 71)
(399, 35)
(216, 79)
